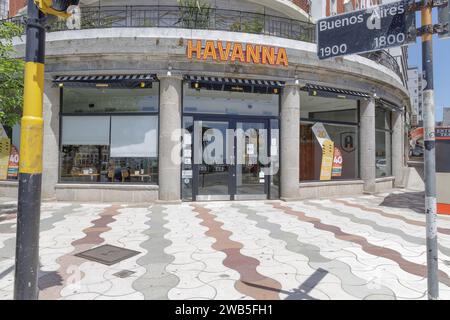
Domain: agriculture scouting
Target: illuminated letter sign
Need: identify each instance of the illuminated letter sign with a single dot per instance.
(225, 51)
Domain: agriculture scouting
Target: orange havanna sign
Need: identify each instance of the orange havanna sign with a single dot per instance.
(235, 51)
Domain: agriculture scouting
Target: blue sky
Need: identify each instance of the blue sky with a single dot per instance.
(441, 49)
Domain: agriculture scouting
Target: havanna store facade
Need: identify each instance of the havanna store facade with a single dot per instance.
(139, 108)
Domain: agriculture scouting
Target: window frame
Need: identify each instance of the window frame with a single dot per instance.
(110, 115)
(356, 125)
(384, 130)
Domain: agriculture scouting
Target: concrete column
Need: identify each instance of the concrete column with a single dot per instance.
(397, 148)
(290, 142)
(169, 144)
(50, 170)
(367, 145)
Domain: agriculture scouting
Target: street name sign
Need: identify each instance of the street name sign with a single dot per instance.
(372, 29)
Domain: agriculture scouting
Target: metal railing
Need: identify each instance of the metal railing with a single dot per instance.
(190, 18)
(384, 58)
(92, 17)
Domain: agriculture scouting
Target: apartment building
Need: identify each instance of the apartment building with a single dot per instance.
(321, 8)
(16, 7)
(416, 94)
(4, 9)
(446, 117)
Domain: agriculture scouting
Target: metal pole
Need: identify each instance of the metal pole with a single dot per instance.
(429, 157)
(30, 175)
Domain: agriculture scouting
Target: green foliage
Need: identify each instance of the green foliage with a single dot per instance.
(11, 76)
(254, 26)
(194, 14)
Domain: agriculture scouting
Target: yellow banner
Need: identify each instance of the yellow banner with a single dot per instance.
(327, 160)
(5, 149)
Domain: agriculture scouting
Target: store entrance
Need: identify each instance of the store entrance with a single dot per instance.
(233, 158)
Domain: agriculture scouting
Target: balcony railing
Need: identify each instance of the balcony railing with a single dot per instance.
(93, 17)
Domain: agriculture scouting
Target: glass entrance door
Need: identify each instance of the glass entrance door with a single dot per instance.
(233, 159)
(252, 161)
(212, 173)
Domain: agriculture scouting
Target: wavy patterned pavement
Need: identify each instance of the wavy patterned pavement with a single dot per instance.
(52, 284)
(156, 282)
(369, 247)
(351, 284)
(49, 216)
(359, 247)
(386, 214)
(251, 282)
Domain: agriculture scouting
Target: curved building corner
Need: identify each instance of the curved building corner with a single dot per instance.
(144, 103)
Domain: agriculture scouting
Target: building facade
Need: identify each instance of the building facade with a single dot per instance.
(4, 9)
(321, 8)
(416, 94)
(16, 7)
(226, 101)
(446, 117)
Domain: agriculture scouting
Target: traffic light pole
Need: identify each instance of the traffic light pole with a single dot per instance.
(30, 174)
(429, 156)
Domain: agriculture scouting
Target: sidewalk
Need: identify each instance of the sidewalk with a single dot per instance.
(7, 205)
(362, 247)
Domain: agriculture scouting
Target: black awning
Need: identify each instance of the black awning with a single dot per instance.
(234, 84)
(330, 92)
(383, 103)
(118, 80)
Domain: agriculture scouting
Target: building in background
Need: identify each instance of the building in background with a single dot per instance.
(4, 9)
(443, 169)
(416, 94)
(321, 8)
(303, 4)
(17, 7)
(446, 117)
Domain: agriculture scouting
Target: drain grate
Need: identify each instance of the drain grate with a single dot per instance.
(124, 274)
(107, 254)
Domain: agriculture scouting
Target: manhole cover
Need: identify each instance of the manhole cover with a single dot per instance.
(124, 274)
(107, 254)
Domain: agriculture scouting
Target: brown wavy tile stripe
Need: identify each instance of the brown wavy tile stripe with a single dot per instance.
(408, 266)
(390, 215)
(54, 283)
(10, 216)
(246, 266)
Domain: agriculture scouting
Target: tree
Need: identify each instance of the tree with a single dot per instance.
(11, 75)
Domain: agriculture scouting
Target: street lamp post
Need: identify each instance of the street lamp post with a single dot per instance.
(31, 142)
(30, 174)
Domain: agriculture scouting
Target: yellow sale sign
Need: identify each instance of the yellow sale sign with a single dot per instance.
(327, 160)
(5, 149)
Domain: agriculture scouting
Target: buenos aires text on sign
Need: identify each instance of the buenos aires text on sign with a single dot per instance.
(365, 30)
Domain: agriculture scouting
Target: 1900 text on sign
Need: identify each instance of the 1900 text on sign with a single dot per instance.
(372, 29)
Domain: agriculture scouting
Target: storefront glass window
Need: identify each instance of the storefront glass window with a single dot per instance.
(229, 103)
(108, 100)
(329, 139)
(383, 138)
(108, 148)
